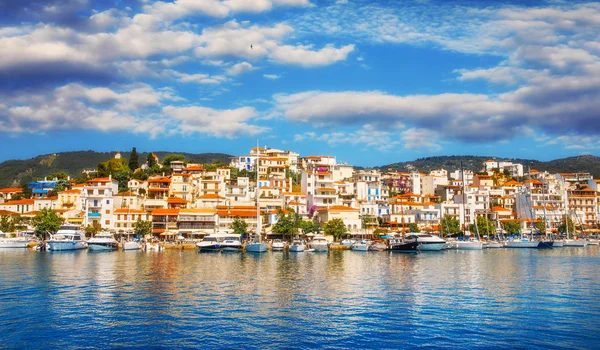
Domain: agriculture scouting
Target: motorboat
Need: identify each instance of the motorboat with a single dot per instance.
(297, 246)
(575, 242)
(103, 241)
(495, 244)
(398, 245)
(557, 243)
(153, 246)
(210, 243)
(319, 243)
(6, 241)
(131, 245)
(361, 246)
(593, 242)
(426, 241)
(231, 243)
(522, 242)
(348, 242)
(68, 237)
(277, 245)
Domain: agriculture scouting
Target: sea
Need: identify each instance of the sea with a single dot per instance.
(501, 299)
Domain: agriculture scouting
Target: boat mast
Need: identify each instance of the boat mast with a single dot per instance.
(258, 226)
(462, 170)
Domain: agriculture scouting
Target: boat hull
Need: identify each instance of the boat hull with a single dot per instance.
(405, 247)
(209, 247)
(359, 247)
(431, 247)
(277, 247)
(558, 244)
(494, 245)
(103, 247)
(520, 244)
(67, 245)
(131, 246)
(469, 245)
(320, 247)
(17, 243)
(257, 247)
(231, 247)
(575, 243)
(297, 248)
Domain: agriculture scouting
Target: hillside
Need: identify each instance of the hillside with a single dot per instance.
(16, 172)
(585, 163)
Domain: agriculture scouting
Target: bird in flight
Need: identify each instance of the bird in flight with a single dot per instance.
(251, 46)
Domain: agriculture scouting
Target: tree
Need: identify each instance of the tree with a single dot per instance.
(512, 227)
(286, 224)
(484, 227)
(61, 185)
(113, 166)
(307, 226)
(449, 225)
(378, 232)
(46, 221)
(540, 225)
(414, 227)
(27, 192)
(142, 228)
(134, 161)
(239, 226)
(92, 229)
(60, 175)
(562, 228)
(335, 228)
(7, 223)
(150, 160)
(172, 157)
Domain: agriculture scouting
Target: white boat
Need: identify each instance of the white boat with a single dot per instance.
(210, 243)
(103, 241)
(257, 245)
(297, 246)
(495, 244)
(13, 242)
(231, 243)
(68, 237)
(319, 243)
(426, 241)
(277, 245)
(153, 247)
(593, 242)
(556, 243)
(361, 246)
(468, 245)
(348, 242)
(522, 242)
(575, 243)
(131, 245)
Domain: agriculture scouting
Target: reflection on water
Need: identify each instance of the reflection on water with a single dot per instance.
(497, 298)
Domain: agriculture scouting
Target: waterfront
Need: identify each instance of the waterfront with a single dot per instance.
(341, 299)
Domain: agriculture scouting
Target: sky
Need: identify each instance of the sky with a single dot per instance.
(369, 82)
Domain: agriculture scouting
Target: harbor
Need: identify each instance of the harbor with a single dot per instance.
(340, 299)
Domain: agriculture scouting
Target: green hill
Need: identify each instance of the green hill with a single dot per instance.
(16, 172)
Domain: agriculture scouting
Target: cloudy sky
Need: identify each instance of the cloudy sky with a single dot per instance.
(370, 82)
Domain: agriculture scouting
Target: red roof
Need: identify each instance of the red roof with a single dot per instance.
(165, 212)
(176, 200)
(129, 211)
(7, 212)
(19, 202)
(11, 189)
(101, 179)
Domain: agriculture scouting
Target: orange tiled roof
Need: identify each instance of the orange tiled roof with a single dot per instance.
(70, 191)
(11, 189)
(499, 209)
(237, 212)
(176, 200)
(19, 202)
(129, 211)
(210, 196)
(325, 189)
(7, 212)
(338, 208)
(102, 179)
(162, 212)
(197, 210)
(161, 179)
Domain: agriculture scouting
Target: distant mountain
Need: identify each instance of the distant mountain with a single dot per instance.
(585, 163)
(16, 172)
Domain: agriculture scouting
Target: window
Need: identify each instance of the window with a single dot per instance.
(108, 201)
(107, 211)
(107, 222)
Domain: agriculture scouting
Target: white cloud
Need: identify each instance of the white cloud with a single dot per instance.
(271, 76)
(198, 78)
(240, 68)
(228, 123)
(304, 56)
(367, 136)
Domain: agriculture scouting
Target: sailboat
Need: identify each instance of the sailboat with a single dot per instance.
(523, 241)
(475, 244)
(256, 245)
(573, 242)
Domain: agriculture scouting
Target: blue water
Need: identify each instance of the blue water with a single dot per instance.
(545, 299)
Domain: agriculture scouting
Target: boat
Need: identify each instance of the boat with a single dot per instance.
(522, 242)
(68, 237)
(231, 243)
(403, 246)
(131, 245)
(468, 245)
(593, 242)
(347, 242)
(361, 246)
(103, 241)
(575, 243)
(210, 243)
(495, 244)
(277, 245)
(426, 241)
(256, 245)
(14, 242)
(297, 246)
(153, 246)
(557, 243)
(378, 247)
(319, 243)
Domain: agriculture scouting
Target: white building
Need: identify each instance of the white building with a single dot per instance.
(98, 202)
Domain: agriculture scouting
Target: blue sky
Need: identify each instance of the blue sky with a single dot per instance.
(370, 82)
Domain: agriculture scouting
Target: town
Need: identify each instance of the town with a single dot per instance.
(189, 200)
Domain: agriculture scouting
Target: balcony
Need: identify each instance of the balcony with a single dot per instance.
(94, 215)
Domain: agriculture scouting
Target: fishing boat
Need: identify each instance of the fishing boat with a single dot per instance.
(68, 237)
(6, 241)
(103, 241)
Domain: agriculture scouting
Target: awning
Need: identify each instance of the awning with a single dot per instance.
(168, 234)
